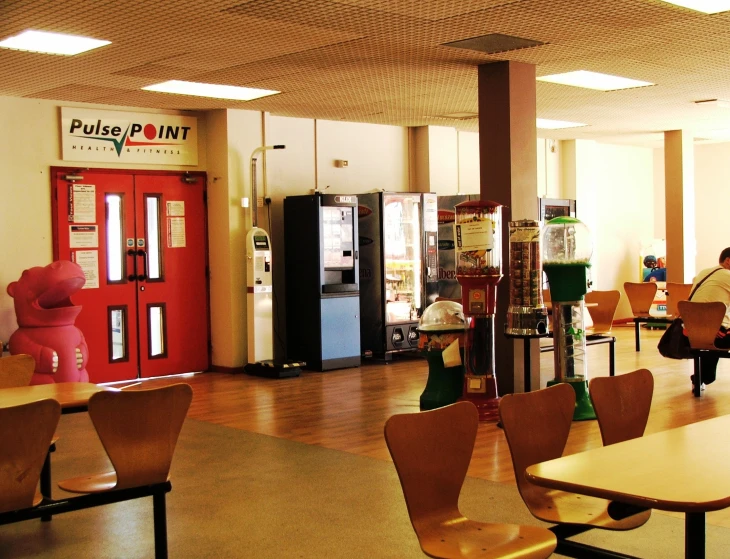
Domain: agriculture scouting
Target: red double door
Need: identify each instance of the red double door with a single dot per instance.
(140, 238)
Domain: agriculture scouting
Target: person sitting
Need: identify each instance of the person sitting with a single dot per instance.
(716, 288)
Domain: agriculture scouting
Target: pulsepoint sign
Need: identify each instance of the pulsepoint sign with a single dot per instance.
(119, 137)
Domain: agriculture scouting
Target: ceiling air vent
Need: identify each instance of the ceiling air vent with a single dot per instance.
(494, 43)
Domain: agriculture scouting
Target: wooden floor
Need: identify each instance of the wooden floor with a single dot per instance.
(346, 409)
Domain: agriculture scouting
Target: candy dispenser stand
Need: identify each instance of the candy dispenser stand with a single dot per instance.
(477, 235)
(567, 251)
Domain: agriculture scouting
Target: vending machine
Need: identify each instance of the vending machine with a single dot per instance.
(398, 268)
(448, 286)
(322, 280)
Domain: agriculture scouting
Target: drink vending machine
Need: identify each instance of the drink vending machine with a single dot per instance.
(322, 280)
(398, 238)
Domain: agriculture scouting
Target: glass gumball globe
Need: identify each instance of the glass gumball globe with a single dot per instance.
(566, 240)
(442, 316)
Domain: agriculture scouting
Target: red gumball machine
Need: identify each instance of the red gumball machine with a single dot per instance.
(478, 244)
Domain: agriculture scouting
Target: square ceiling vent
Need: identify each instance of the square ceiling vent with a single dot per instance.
(494, 43)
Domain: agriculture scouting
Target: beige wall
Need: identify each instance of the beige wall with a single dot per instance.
(30, 145)
(712, 202)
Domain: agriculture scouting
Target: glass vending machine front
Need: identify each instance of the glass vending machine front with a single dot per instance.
(402, 256)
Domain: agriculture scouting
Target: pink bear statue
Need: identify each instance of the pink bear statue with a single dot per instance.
(46, 317)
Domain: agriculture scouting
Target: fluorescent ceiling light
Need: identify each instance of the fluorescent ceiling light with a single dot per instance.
(51, 43)
(706, 6)
(556, 124)
(210, 90)
(593, 80)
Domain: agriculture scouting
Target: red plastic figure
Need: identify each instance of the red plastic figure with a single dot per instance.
(46, 318)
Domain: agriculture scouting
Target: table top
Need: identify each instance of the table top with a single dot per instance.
(68, 394)
(682, 470)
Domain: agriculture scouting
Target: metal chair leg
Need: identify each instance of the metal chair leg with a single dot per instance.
(160, 520)
(636, 335)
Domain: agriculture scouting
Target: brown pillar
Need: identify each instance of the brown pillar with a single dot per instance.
(508, 175)
(679, 203)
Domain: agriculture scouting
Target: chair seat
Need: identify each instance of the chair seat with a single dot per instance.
(562, 507)
(463, 538)
(90, 484)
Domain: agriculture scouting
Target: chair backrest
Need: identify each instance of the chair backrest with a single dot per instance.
(602, 314)
(701, 322)
(537, 425)
(622, 404)
(431, 451)
(677, 292)
(641, 296)
(139, 430)
(16, 370)
(25, 435)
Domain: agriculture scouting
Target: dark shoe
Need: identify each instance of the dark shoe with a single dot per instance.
(692, 378)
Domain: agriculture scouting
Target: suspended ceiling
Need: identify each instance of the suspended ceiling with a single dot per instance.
(383, 61)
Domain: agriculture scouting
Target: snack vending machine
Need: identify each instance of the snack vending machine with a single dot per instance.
(398, 268)
(322, 280)
(448, 287)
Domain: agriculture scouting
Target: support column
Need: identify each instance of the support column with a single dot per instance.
(680, 205)
(508, 175)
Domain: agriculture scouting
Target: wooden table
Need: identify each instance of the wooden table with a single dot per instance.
(73, 397)
(682, 470)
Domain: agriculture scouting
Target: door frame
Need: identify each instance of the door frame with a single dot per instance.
(54, 170)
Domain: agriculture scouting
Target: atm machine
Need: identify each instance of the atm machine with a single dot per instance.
(322, 280)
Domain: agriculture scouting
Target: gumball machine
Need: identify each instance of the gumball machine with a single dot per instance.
(526, 314)
(567, 251)
(477, 235)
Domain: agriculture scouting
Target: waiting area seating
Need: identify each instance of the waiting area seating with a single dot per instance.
(16, 370)
(431, 451)
(701, 321)
(622, 404)
(537, 425)
(138, 430)
(641, 297)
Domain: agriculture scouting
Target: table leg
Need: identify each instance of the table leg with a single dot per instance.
(694, 535)
(527, 365)
(636, 335)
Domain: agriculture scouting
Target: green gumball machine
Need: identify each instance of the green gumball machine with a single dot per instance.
(567, 251)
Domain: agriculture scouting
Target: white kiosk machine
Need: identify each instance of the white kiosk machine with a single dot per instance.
(260, 309)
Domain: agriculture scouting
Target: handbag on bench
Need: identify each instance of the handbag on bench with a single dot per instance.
(674, 344)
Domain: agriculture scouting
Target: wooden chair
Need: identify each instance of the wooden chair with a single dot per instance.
(25, 435)
(701, 323)
(622, 404)
(16, 370)
(537, 425)
(602, 314)
(431, 451)
(139, 430)
(676, 292)
(641, 297)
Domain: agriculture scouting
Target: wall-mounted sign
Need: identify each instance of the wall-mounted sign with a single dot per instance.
(120, 137)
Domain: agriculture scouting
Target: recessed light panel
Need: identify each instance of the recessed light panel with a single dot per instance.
(706, 6)
(546, 123)
(593, 80)
(210, 90)
(51, 43)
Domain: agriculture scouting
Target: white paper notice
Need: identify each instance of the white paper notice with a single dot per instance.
(474, 235)
(89, 262)
(176, 232)
(175, 208)
(82, 203)
(83, 236)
